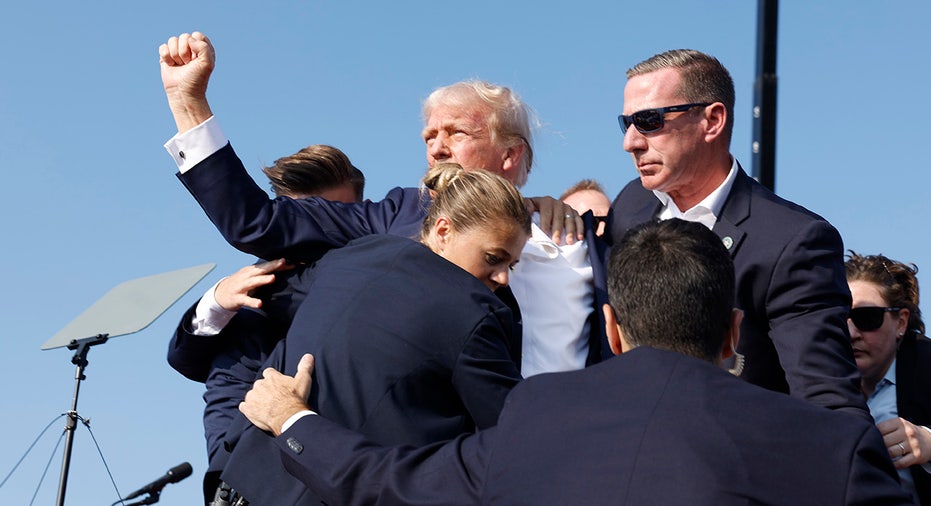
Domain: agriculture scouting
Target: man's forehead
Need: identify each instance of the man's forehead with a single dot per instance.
(653, 89)
(458, 113)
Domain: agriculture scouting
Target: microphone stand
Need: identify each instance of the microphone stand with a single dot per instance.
(127, 308)
(151, 499)
(80, 360)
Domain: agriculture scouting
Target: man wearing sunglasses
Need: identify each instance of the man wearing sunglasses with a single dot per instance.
(677, 124)
(659, 424)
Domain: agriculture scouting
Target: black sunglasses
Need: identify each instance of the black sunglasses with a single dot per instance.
(651, 120)
(869, 318)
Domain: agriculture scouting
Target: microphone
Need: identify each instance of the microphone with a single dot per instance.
(174, 475)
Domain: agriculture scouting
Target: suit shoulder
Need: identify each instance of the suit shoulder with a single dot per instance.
(415, 261)
(632, 195)
(398, 193)
(923, 344)
(777, 205)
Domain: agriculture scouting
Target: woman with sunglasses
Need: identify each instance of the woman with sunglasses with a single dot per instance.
(894, 358)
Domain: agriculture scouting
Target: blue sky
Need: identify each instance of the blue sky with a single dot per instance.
(90, 198)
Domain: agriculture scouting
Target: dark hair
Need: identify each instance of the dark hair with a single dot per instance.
(671, 284)
(703, 78)
(473, 198)
(313, 170)
(897, 283)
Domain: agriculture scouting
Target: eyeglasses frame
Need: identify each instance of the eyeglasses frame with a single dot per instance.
(890, 309)
(626, 121)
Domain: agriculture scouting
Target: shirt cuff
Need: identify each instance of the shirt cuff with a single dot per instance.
(209, 317)
(294, 418)
(192, 147)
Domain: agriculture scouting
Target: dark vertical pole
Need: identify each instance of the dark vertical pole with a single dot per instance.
(80, 360)
(764, 95)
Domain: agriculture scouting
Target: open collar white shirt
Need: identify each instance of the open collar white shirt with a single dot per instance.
(705, 212)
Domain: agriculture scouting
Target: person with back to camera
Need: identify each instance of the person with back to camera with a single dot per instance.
(661, 423)
(894, 356)
(225, 348)
(413, 346)
(314, 171)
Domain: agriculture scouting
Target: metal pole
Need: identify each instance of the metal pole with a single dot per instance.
(764, 95)
(79, 359)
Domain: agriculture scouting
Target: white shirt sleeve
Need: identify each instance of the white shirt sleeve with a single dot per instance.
(294, 418)
(209, 316)
(192, 147)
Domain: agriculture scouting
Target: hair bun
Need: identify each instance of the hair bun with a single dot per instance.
(442, 175)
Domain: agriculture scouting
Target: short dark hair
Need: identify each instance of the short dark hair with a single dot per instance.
(312, 171)
(671, 284)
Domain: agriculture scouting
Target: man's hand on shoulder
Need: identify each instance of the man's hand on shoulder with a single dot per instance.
(557, 217)
(235, 291)
(276, 397)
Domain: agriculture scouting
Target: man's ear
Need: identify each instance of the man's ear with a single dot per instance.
(513, 157)
(733, 334)
(716, 118)
(613, 331)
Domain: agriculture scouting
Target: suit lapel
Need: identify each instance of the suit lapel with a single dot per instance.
(904, 369)
(736, 209)
(648, 212)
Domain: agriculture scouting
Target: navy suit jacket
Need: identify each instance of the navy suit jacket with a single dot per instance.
(791, 285)
(647, 427)
(302, 230)
(230, 362)
(913, 395)
(409, 347)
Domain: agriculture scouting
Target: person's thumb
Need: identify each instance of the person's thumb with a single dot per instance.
(302, 377)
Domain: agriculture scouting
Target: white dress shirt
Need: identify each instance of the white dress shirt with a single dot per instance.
(555, 290)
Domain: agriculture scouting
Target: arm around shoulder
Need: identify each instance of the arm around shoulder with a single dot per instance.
(342, 467)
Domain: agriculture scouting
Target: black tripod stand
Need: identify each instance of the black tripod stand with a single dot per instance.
(127, 308)
(79, 359)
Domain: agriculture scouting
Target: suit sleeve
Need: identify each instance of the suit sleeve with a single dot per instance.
(487, 368)
(191, 355)
(872, 478)
(297, 229)
(342, 467)
(807, 309)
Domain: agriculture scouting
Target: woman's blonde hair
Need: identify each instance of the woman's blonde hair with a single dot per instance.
(471, 199)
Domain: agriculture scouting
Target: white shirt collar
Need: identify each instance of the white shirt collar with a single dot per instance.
(705, 212)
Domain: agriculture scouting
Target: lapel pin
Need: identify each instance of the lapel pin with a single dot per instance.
(728, 242)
